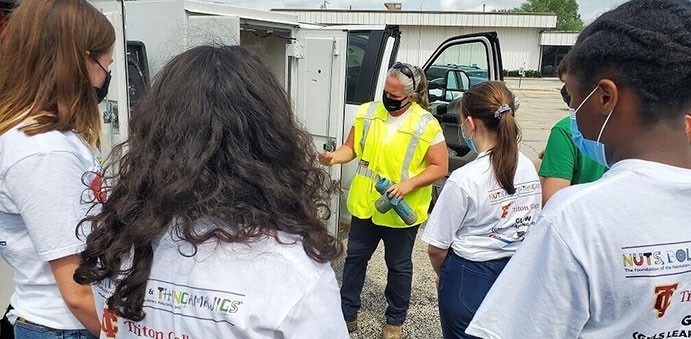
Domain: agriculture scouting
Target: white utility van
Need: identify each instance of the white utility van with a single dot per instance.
(327, 71)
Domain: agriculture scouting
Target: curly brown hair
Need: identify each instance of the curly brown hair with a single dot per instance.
(214, 140)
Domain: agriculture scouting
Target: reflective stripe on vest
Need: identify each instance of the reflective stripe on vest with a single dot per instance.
(363, 170)
(412, 144)
(367, 122)
(410, 151)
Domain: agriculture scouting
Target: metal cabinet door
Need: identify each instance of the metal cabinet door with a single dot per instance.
(317, 64)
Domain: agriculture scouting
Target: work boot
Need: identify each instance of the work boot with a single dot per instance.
(352, 325)
(392, 331)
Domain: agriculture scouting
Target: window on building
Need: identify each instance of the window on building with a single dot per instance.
(551, 57)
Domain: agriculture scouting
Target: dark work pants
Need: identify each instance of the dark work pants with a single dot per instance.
(398, 248)
(463, 284)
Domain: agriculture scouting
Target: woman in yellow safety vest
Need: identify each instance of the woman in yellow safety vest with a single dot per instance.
(399, 140)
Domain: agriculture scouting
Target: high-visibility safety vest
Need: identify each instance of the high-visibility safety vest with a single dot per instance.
(398, 159)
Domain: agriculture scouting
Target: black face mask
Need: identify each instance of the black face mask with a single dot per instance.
(102, 92)
(393, 105)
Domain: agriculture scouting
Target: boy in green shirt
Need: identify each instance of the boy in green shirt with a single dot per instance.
(563, 164)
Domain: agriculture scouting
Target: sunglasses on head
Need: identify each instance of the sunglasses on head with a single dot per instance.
(406, 71)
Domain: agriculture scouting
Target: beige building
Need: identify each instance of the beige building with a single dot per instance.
(526, 38)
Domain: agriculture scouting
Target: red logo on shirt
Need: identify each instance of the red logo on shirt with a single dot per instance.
(505, 210)
(96, 188)
(96, 191)
(109, 325)
(664, 298)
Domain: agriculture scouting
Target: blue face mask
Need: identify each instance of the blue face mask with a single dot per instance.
(592, 149)
(468, 140)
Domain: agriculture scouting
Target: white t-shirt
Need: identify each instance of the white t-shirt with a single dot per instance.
(41, 204)
(477, 218)
(259, 290)
(393, 123)
(610, 259)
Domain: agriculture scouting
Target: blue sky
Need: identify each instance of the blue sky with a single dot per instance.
(589, 9)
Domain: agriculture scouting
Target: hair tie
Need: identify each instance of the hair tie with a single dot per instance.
(503, 108)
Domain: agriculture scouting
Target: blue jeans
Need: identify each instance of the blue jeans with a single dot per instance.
(363, 240)
(463, 284)
(29, 330)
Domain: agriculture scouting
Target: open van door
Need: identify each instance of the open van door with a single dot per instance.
(459, 63)
(371, 51)
(317, 64)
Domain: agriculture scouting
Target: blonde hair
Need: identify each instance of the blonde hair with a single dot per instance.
(419, 81)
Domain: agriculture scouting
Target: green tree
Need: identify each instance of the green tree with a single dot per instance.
(568, 18)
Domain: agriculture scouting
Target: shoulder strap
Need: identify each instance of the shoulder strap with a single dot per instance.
(412, 144)
(368, 122)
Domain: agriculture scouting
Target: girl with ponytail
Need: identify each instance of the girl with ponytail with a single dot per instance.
(485, 208)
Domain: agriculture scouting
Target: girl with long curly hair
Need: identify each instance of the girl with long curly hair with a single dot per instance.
(215, 223)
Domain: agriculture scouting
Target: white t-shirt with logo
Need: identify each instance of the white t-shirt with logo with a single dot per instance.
(610, 259)
(477, 218)
(41, 203)
(259, 290)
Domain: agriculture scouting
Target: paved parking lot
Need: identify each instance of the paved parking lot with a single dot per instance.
(541, 107)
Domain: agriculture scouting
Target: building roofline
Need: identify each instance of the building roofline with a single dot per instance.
(308, 10)
(416, 18)
(560, 32)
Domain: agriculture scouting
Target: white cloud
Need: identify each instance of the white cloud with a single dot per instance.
(449, 5)
(591, 9)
